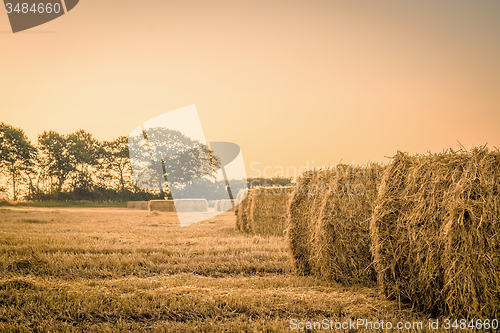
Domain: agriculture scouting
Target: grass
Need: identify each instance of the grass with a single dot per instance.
(117, 270)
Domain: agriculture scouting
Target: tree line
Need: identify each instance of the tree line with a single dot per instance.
(76, 166)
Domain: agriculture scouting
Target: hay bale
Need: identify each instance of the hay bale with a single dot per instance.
(435, 233)
(191, 205)
(267, 212)
(328, 223)
(162, 205)
(298, 226)
(226, 205)
(242, 194)
(242, 222)
(340, 236)
(143, 205)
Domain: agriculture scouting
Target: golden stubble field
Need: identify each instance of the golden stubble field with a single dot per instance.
(118, 270)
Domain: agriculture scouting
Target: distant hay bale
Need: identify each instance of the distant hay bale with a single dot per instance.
(191, 205)
(328, 223)
(143, 205)
(162, 205)
(435, 233)
(226, 205)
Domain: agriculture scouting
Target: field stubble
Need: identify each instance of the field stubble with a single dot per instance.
(115, 270)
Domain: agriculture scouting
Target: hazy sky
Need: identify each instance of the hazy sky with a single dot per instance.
(289, 81)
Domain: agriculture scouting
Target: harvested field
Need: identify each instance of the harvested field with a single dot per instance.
(435, 232)
(119, 270)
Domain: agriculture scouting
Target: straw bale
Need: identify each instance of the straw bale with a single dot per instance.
(298, 231)
(242, 219)
(268, 210)
(435, 232)
(328, 222)
(162, 205)
(340, 237)
(226, 205)
(191, 205)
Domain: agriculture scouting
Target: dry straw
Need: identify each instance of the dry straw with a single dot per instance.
(268, 210)
(263, 211)
(435, 232)
(243, 212)
(328, 223)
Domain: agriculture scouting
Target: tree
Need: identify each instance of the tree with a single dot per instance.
(16, 152)
(84, 152)
(56, 157)
(166, 156)
(116, 157)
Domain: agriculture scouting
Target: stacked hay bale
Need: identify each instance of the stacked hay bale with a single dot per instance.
(435, 232)
(328, 223)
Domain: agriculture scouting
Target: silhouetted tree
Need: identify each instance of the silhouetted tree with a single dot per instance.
(116, 158)
(56, 157)
(169, 157)
(16, 153)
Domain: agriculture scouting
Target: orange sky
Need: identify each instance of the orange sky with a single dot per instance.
(289, 81)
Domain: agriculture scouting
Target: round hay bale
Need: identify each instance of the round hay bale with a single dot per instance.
(268, 210)
(298, 228)
(340, 237)
(435, 233)
(242, 194)
(243, 213)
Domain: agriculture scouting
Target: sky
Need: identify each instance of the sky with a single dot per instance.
(293, 83)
